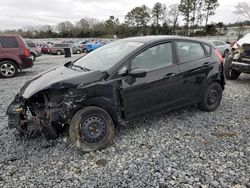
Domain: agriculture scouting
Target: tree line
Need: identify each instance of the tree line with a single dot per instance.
(142, 20)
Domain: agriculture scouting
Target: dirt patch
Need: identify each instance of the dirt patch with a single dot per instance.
(225, 134)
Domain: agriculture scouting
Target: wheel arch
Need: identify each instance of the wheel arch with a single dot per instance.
(100, 102)
(12, 60)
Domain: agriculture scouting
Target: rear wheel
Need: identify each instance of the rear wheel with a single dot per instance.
(211, 98)
(225, 53)
(91, 129)
(8, 69)
(230, 73)
(58, 52)
(33, 56)
(78, 51)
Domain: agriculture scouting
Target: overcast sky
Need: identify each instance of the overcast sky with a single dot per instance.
(21, 13)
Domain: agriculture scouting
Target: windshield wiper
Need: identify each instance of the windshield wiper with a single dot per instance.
(80, 67)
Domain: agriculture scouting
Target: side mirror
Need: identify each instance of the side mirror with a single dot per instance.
(138, 73)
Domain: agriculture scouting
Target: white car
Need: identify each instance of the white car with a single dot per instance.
(238, 61)
(222, 47)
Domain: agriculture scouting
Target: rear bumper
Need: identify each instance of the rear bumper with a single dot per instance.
(26, 63)
(242, 67)
(38, 54)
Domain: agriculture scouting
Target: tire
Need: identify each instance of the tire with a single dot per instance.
(33, 56)
(230, 73)
(93, 119)
(8, 69)
(85, 50)
(225, 53)
(78, 51)
(211, 98)
(58, 52)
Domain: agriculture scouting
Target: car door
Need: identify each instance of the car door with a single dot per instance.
(157, 90)
(194, 64)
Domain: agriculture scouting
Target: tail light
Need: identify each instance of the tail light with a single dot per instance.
(219, 56)
(26, 52)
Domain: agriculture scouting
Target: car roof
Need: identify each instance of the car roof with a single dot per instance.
(9, 35)
(217, 40)
(158, 38)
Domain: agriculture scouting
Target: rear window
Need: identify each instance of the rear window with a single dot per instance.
(218, 43)
(189, 51)
(61, 45)
(8, 42)
(31, 45)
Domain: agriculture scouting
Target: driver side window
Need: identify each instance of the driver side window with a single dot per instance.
(158, 56)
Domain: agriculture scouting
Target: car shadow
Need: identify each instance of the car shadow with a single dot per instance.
(243, 79)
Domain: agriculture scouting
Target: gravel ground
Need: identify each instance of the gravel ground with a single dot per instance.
(187, 148)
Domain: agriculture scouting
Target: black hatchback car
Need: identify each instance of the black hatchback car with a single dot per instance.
(118, 82)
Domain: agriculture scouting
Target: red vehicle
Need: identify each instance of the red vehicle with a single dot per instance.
(14, 55)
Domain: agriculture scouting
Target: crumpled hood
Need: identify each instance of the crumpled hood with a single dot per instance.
(58, 78)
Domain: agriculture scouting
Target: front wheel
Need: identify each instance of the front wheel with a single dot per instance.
(91, 129)
(211, 98)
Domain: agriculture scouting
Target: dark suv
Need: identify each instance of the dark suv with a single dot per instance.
(119, 82)
(14, 55)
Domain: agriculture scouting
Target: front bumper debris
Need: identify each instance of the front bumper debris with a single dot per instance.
(240, 66)
(26, 124)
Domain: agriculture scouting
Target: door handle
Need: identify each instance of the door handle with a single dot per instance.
(207, 64)
(170, 75)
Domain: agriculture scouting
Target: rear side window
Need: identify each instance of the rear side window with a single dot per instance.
(208, 49)
(31, 45)
(61, 45)
(189, 51)
(8, 42)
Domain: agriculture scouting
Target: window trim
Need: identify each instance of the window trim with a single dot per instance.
(128, 61)
(208, 54)
(191, 41)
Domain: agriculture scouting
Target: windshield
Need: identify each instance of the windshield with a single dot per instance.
(107, 56)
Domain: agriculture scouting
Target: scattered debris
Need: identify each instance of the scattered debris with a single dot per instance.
(12, 173)
(148, 146)
(101, 162)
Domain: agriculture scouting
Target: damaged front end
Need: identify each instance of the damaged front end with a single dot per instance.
(43, 113)
(237, 61)
(241, 58)
(47, 102)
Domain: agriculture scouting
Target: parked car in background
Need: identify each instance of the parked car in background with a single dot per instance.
(119, 82)
(91, 46)
(14, 55)
(77, 48)
(238, 61)
(44, 48)
(35, 51)
(58, 48)
(223, 47)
